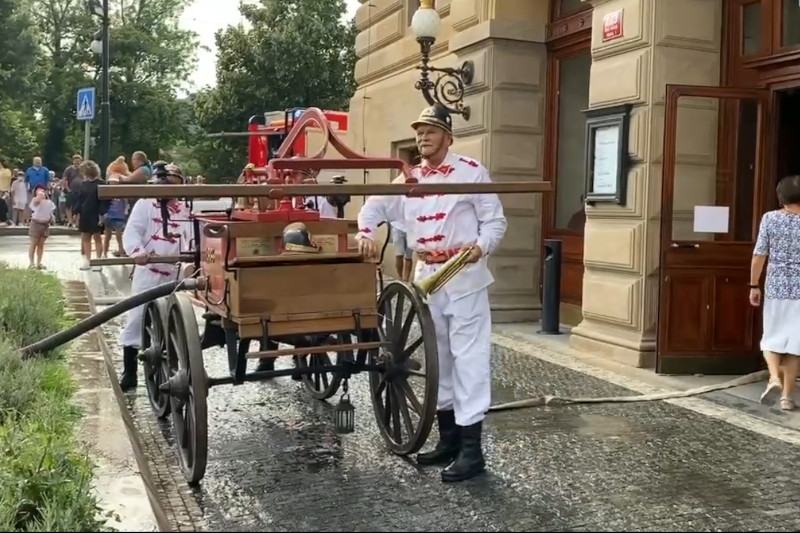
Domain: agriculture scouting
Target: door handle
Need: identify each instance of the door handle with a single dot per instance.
(684, 245)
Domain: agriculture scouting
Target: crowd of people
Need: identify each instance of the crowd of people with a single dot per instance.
(39, 198)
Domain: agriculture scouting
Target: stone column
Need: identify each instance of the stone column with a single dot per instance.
(505, 132)
(664, 42)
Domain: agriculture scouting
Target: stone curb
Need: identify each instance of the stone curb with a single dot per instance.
(81, 301)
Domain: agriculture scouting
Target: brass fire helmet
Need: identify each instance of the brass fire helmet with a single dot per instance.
(297, 240)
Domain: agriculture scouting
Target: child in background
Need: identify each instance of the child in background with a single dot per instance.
(114, 219)
(42, 209)
(19, 199)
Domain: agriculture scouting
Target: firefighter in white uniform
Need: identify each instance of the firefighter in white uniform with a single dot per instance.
(144, 237)
(437, 228)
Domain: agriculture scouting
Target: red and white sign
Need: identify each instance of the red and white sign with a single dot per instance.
(612, 25)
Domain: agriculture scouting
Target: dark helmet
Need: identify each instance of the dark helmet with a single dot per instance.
(435, 115)
(296, 239)
(163, 170)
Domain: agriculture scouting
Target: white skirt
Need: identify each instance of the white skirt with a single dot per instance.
(781, 326)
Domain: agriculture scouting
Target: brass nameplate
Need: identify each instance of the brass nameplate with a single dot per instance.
(255, 246)
(327, 243)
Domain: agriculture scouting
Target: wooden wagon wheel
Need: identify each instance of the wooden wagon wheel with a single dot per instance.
(323, 385)
(157, 368)
(404, 419)
(188, 387)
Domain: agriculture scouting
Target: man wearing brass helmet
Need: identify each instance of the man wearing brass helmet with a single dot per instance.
(437, 229)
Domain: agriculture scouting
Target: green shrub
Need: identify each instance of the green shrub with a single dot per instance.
(45, 478)
(32, 306)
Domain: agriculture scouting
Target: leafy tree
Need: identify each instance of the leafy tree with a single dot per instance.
(17, 59)
(293, 53)
(150, 56)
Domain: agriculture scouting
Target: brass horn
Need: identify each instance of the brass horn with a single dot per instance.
(453, 266)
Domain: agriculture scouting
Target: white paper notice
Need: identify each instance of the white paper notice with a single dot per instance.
(606, 159)
(711, 219)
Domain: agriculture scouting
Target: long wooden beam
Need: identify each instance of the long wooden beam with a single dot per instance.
(107, 192)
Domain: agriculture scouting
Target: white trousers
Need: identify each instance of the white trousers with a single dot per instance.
(143, 279)
(464, 341)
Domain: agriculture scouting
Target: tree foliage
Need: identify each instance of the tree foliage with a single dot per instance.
(45, 58)
(17, 60)
(288, 53)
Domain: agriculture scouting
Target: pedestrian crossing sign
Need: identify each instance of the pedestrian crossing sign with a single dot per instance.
(86, 101)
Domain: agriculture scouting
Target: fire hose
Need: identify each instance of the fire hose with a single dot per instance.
(100, 318)
(547, 400)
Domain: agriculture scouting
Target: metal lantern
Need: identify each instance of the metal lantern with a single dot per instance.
(345, 415)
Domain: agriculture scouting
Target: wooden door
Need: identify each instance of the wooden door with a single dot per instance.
(712, 201)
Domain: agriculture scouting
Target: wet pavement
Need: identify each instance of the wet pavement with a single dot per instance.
(276, 464)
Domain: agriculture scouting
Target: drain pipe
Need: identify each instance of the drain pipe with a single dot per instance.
(98, 319)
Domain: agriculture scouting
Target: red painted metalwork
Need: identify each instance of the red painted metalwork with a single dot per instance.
(292, 166)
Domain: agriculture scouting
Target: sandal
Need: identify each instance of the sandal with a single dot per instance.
(787, 404)
(772, 393)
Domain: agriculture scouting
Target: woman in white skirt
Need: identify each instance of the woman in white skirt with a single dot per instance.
(779, 240)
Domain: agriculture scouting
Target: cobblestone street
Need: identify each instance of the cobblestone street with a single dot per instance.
(276, 464)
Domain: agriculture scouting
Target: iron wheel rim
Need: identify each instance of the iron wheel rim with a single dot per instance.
(390, 390)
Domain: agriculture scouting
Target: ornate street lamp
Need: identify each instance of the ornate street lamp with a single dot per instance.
(448, 89)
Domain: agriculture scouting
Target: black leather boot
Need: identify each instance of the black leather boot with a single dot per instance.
(447, 447)
(129, 379)
(469, 462)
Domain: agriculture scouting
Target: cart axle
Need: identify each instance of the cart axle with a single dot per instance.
(318, 349)
(269, 374)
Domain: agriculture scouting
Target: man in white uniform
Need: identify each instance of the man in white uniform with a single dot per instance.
(437, 228)
(144, 237)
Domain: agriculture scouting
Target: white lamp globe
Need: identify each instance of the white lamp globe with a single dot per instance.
(97, 47)
(425, 23)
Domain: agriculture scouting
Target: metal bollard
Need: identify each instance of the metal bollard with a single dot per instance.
(551, 288)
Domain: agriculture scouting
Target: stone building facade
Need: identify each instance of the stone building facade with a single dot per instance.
(523, 51)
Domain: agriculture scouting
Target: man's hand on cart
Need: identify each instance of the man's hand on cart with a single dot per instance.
(142, 258)
(367, 248)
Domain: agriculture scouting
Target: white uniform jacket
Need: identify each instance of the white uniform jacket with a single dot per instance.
(144, 235)
(444, 223)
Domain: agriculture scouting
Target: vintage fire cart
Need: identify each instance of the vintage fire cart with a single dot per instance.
(322, 305)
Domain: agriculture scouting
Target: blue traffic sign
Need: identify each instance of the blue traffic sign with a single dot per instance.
(86, 101)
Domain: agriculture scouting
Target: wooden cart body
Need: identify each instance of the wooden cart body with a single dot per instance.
(254, 283)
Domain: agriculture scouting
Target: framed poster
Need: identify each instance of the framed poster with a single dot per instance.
(607, 158)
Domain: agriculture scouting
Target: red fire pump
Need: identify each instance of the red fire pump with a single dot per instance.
(267, 141)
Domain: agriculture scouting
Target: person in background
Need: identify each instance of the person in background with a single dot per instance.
(42, 209)
(142, 170)
(90, 210)
(5, 209)
(37, 174)
(114, 219)
(5, 178)
(71, 182)
(779, 240)
(19, 199)
(403, 255)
